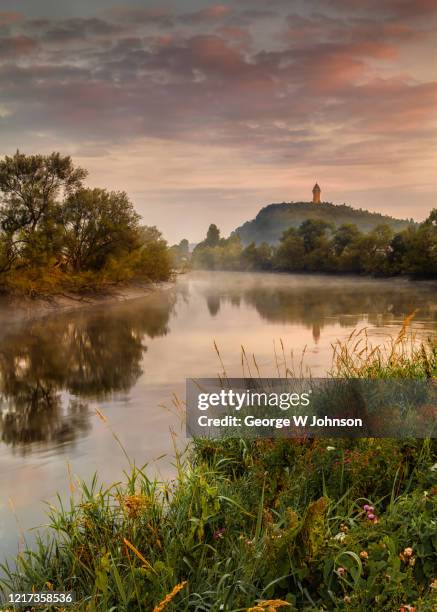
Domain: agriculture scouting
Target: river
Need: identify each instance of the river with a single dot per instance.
(129, 360)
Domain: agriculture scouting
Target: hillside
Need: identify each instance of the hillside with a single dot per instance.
(274, 219)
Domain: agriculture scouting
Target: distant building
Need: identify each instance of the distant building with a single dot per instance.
(316, 194)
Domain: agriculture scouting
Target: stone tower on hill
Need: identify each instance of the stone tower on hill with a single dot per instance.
(316, 194)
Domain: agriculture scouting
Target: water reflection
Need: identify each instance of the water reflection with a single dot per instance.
(50, 367)
(316, 302)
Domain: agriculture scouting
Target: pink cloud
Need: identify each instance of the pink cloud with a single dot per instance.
(10, 18)
(217, 11)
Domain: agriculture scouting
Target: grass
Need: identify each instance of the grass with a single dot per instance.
(258, 525)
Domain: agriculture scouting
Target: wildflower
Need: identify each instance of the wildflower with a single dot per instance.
(347, 599)
(433, 468)
(344, 528)
(364, 555)
(167, 599)
(433, 584)
(330, 448)
(341, 571)
(134, 505)
(219, 533)
(269, 605)
(407, 556)
(370, 513)
(340, 536)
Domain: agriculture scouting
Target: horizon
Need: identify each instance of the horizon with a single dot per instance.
(210, 112)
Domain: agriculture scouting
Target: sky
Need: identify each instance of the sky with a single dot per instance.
(205, 112)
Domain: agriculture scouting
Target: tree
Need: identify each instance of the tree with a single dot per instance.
(98, 224)
(184, 248)
(290, 255)
(180, 253)
(30, 187)
(257, 258)
(212, 236)
(344, 236)
(420, 258)
(313, 231)
(376, 250)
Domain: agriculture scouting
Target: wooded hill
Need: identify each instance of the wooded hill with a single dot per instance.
(272, 220)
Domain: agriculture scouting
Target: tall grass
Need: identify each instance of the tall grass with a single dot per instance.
(403, 356)
(259, 525)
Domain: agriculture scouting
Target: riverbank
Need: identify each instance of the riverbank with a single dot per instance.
(15, 308)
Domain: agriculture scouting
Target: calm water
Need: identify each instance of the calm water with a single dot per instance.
(130, 359)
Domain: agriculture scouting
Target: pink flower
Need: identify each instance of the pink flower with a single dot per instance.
(219, 533)
(366, 507)
(370, 516)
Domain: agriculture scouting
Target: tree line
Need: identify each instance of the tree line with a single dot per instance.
(56, 233)
(318, 246)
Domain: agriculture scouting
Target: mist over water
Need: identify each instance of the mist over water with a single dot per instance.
(130, 359)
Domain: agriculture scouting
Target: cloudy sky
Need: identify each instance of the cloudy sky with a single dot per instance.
(206, 112)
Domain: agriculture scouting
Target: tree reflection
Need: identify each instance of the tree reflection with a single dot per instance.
(50, 367)
(347, 305)
(317, 303)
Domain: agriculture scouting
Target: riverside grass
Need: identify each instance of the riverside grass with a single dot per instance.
(260, 525)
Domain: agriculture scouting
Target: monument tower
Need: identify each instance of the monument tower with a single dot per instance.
(316, 194)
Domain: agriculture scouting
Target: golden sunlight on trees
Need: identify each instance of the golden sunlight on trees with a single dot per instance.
(55, 234)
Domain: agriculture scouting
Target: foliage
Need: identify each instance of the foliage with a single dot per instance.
(180, 254)
(55, 234)
(271, 221)
(318, 246)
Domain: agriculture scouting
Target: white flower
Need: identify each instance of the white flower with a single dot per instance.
(331, 448)
(340, 536)
(433, 468)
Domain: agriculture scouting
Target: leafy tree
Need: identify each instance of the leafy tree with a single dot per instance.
(180, 253)
(257, 258)
(154, 261)
(56, 233)
(420, 258)
(98, 224)
(344, 236)
(313, 231)
(30, 188)
(212, 236)
(376, 250)
(184, 247)
(290, 255)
